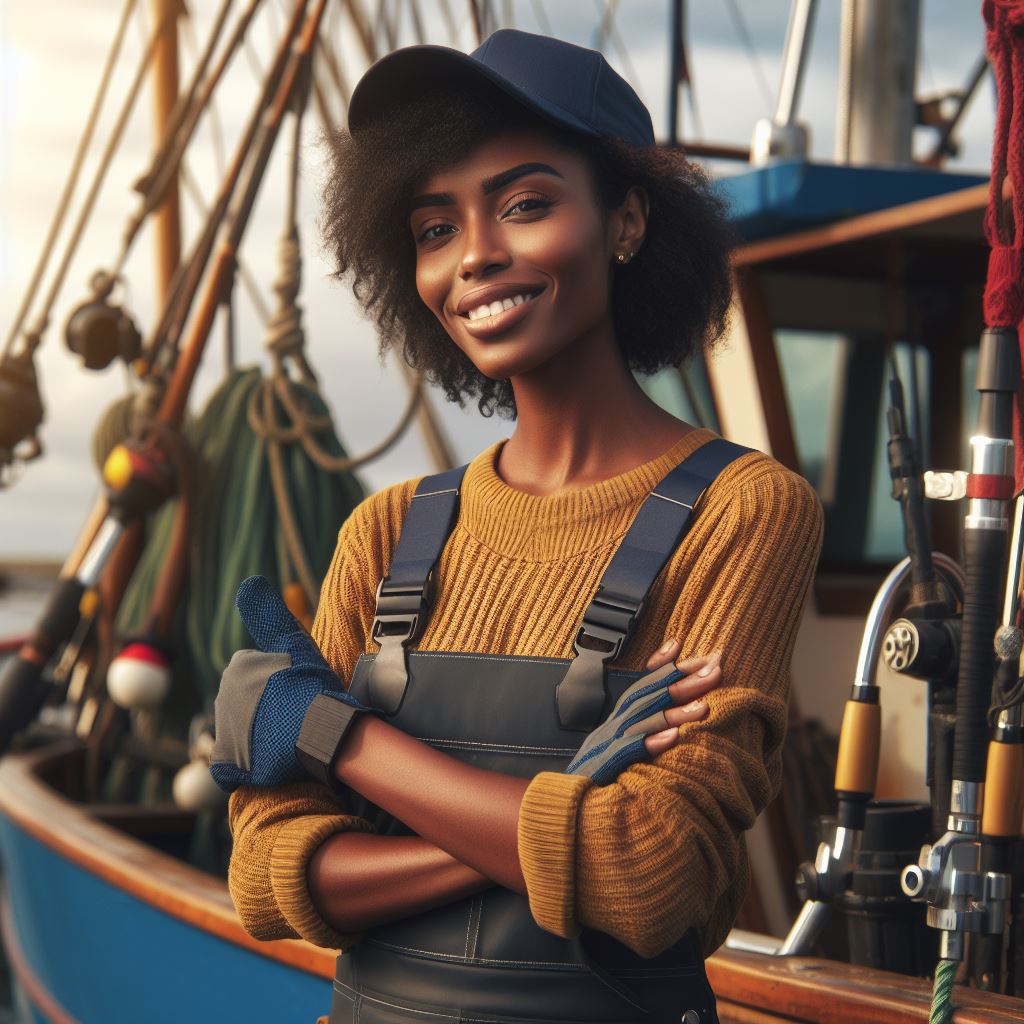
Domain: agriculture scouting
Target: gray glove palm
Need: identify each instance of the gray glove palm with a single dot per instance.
(611, 747)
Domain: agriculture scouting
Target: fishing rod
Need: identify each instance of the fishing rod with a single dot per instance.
(962, 896)
(958, 876)
(1004, 769)
(188, 277)
(922, 641)
(138, 477)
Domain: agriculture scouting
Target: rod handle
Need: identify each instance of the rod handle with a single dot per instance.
(860, 739)
(984, 552)
(1003, 806)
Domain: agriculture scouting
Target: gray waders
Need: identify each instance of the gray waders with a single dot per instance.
(485, 958)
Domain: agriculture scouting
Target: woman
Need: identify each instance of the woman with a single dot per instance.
(506, 218)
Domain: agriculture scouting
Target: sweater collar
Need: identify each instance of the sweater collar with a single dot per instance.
(548, 527)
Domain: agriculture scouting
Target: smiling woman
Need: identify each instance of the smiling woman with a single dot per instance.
(670, 300)
(567, 663)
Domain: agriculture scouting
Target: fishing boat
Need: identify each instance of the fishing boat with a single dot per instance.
(109, 840)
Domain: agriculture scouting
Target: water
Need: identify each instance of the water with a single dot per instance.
(23, 593)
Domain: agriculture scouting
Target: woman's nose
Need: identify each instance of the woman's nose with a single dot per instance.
(483, 250)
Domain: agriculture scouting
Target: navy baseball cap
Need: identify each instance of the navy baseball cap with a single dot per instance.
(569, 85)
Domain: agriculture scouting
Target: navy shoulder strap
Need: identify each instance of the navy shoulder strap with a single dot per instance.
(404, 596)
(656, 530)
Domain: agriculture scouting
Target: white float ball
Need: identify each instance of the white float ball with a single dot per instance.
(138, 678)
(194, 788)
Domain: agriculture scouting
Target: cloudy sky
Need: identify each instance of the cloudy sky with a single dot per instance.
(51, 55)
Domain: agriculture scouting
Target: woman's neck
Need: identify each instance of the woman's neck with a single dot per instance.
(582, 418)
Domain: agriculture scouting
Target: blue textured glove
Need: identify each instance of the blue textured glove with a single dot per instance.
(608, 749)
(264, 695)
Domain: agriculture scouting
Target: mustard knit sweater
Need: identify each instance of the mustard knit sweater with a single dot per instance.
(660, 850)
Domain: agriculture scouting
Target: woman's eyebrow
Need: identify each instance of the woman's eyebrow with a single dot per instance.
(432, 199)
(507, 177)
(488, 185)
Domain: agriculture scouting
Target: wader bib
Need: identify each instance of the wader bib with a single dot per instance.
(484, 958)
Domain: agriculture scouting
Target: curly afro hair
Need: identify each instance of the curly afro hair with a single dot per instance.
(671, 301)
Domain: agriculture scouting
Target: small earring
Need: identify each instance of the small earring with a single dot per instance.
(623, 257)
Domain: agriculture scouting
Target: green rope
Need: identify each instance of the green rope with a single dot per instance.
(235, 534)
(942, 993)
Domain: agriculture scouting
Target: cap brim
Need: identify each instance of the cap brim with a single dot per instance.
(404, 74)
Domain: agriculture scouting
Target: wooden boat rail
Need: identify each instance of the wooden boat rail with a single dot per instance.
(751, 989)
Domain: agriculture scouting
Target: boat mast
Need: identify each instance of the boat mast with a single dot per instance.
(167, 217)
(875, 113)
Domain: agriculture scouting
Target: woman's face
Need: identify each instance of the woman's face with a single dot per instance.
(513, 252)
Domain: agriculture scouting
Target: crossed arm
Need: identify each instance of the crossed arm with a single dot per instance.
(465, 818)
(665, 837)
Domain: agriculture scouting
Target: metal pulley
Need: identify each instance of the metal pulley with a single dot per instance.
(99, 330)
(21, 408)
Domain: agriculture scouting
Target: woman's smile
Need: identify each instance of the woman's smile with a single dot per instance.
(493, 312)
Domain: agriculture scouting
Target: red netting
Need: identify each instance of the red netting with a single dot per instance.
(1004, 217)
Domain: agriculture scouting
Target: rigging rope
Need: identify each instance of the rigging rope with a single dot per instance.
(286, 343)
(34, 334)
(72, 180)
(743, 31)
(184, 118)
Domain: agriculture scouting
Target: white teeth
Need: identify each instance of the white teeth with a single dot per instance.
(496, 307)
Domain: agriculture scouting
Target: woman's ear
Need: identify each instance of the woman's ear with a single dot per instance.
(629, 222)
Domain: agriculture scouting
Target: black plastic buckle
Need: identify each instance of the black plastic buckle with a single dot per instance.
(607, 624)
(399, 618)
(400, 611)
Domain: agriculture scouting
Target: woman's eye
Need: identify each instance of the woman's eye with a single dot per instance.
(434, 231)
(527, 205)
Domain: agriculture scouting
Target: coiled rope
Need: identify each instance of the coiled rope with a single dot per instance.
(236, 532)
(285, 341)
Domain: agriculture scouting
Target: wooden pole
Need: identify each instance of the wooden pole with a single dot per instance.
(167, 218)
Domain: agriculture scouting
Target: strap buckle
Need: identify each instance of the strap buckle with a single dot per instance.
(400, 615)
(607, 624)
(400, 611)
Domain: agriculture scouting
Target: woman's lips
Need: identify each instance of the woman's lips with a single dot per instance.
(498, 323)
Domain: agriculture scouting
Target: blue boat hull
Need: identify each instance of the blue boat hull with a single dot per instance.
(105, 956)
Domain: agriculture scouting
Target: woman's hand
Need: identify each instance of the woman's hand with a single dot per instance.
(700, 676)
(669, 695)
(264, 694)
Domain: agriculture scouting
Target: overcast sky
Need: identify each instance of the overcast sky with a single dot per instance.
(51, 55)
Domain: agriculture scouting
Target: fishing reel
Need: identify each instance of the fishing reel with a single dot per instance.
(841, 856)
(99, 330)
(961, 896)
(21, 410)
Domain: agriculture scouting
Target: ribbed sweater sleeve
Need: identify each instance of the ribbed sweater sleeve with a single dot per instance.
(275, 831)
(660, 850)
